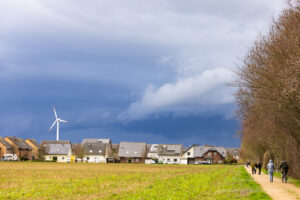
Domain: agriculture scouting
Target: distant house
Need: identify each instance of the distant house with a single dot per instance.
(5, 148)
(21, 148)
(59, 151)
(35, 148)
(97, 150)
(234, 152)
(169, 153)
(152, 156)
(132, 152)
(203, 155)
(115, 154)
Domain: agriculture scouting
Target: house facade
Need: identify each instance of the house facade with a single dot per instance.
(132, 152)
(58, 151)
(21, 148)
(169, 153)
(97, 150)
(5, 148)
(35, 148)
(152, 156)
(234, 152)
(203, 155)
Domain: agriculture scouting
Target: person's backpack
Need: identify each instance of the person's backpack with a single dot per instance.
(285, 166)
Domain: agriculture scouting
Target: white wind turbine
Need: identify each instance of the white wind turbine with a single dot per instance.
(57, 120)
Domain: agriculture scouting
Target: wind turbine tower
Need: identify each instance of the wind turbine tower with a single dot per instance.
(57, 120)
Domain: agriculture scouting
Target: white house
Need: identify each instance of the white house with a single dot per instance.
(59, 151)
(169, 153)
(96, 150)
(203, 155)
(152, 156)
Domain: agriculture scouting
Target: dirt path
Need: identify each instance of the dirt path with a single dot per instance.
(277, 189)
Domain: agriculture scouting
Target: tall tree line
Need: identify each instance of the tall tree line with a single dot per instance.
(269, 93)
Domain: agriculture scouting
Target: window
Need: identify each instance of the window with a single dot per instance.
(50, 158)
(63, 158)
(188, 153)
(168, 160)
(87, 158)
(175, 159)
(209, 153)
(215, 153)
(137, 159)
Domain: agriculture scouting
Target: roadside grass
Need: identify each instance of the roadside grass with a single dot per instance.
(292, 180)
(125, 181)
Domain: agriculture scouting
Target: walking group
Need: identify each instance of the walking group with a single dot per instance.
(270, 169)
(254, 167)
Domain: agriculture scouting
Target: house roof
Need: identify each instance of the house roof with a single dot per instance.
(153, 148)
(96, 140)
(132, 149)
(233, 151)
(199, 151)
(94, 148)
(5, 143)
(115, 146)
(55, 142)
(35, 143)
(20, 143)
(169, 149)
(56, 147)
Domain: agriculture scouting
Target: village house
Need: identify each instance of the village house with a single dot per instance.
(169, 153)
(152, 156)
(35, 148)
(58, 151)
(234, 152)
(203, 155)
(132, 152)
(97, 150)
(115, 154)
(5, 148)
(21, 148)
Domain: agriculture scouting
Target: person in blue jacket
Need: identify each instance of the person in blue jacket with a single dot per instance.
(271, 169)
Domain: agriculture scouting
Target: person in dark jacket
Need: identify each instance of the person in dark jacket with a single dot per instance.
(285, 168)
(258, 166)
(248, 163)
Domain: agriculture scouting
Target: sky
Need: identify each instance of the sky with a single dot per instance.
(130, 70)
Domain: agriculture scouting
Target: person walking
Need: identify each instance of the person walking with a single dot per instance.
(253, 168)
(259, 165)
(271, 168)
(248, 163)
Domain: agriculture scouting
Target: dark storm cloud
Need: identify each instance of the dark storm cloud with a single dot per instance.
(130, 70)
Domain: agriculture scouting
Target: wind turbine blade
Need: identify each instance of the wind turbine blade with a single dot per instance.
(61, 120)
(52, 125)
(55, 112)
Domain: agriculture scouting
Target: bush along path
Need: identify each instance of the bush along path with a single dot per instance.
(277, 189)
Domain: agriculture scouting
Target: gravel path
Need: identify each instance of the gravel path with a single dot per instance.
(277, 189)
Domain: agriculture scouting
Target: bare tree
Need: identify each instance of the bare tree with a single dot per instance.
(269, 93)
